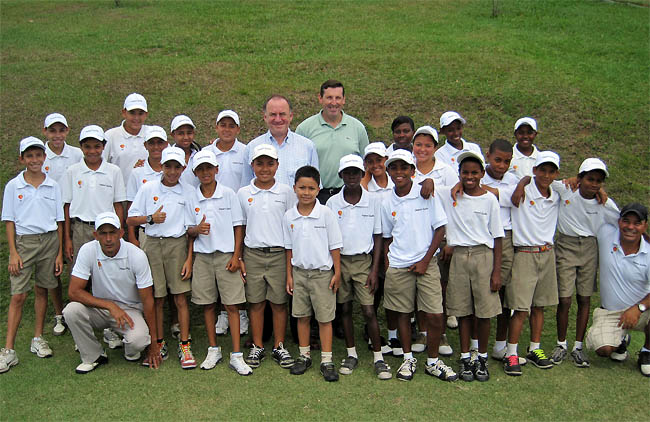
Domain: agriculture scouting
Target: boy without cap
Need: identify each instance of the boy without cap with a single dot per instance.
(451, 125)
(313, 241)
(264, 203)
(32, 210)
(525, 152)
(359, 217)
(413, 228)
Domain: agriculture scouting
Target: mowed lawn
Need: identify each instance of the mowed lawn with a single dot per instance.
(579, 67)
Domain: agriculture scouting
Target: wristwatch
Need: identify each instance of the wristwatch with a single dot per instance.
(150, 219)
(642, 307)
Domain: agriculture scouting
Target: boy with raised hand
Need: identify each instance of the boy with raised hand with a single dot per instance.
(313, 241)
(33, 214)
(58, 157)
(359, 219)
(525, 152)
(475, 232)
(413, 228)
(451, 125)
(160, 204)
(217, 229)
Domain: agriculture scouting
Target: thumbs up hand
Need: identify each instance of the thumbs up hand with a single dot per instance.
(203, 227)
(159, 216)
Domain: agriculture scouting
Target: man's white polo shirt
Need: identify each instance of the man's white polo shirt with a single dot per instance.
(522, 165)
(534, 221)
(449, 155)
(358, 222)
(124, 149)
(152, 196)
(231, 164)
(56, 165)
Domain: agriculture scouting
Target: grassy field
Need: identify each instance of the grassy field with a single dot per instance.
(579, 67)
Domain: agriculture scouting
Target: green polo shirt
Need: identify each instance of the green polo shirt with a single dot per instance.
(349, 137)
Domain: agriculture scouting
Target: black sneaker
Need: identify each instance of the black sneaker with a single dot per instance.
(539, 359)
(348, 365)
(328, 371)
(511, 365)
(466, 370)
(644, 363)
(396, 346)
(255, 356)
(283, 357)
(301, 365)
(481, 369)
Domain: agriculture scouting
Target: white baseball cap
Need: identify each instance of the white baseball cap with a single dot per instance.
(135, 101)
(593, 164)
(173, 154)
(526, 121)
(426, 130)
(264, 150)
(548, 157)
(448, 117)
(400, 154)
(204, 156)
(31, 141)
(155, 132)
(351, 160)
(228, 113)
(107, 217)
(471, 154)
(92, 131)
(50, 119)
(375, 148)
(181, 120)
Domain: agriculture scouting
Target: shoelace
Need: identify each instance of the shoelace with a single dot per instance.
(283, 353)
(512, 360)
(255, 352)
(442, 367)
(185, 349)
(539, 353)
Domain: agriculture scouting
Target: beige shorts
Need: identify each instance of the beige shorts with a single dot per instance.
(402, 288)
(354, 275)
(576, 262)
(604, 330)
(534, 283)
(38, 253)
(166, 258)
(266, 275)
(507, 256)
(468, 291)
(211, 279)
(311, 290)
(82, 233)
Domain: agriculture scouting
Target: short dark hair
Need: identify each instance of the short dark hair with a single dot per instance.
(81, 141)
(31, 148)
(500, 144)
(276, 97)
(307, 171)
(584, 173)
(331, 83)
(401, 120)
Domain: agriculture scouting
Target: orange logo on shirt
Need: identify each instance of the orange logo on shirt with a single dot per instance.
(122, 146)
(155, 198)
(340, 212)
(250, 199)
(615, 248)
(197, 209)
(79, 183)
(393, 213)
(453, 159)
(47, 168)
(567, 202)
(514, 167)
(413, 177)
(532, 202)
(454, 204)
(20, 197)
(291, 226)
(144, 180)
(99, 264)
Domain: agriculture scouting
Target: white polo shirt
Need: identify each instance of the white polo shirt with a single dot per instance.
(312, 237)
(581, 217)
(115, 278)
(472, 220)
(624, 280)
(441, 174)
(506, 187)
(449, 155)
(410, 220)
(263, 210)
(522, 165)
(373, 187)
(222, 212)
(188, 176)
(33, 210)
(56, 165)
(358, 222)
(140, 176)
(124, 149)
(231, 164)
(534, 221)
(152, 196)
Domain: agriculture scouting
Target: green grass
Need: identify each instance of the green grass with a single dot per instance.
(579, 67)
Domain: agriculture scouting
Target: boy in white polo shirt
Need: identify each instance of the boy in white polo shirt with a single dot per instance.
(524, 154)
(451, 125)
(33, 213)
(413, 228)
(359, 218)
(160, 204)
(312, 240)
(183, 131)
(217, 228)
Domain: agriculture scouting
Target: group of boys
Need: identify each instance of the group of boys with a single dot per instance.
(436, 230)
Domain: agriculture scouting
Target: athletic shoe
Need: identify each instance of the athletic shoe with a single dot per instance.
(452, 322)
(385, 348)
(283, 357)
(41, 348)
(176, 331)
(501, 354)
(164, 351)
(214, 356)
(481, 370)
(396, 347)
(112, 339)
(407, 369)
(328, 371)
(420, 344)
(644, 363)
(382, 370)
(539, 359)
(255, 356)
(348, 365)
(135, 357)
(558, 355)
(621, 354)
(59, 325)
(444, 348)
(301, 365)
(441, 371)
(511, 365)
(221, 327)
(185, 356)
(8, 358)
(238, 365)
(473, 356)
(579, 358)
(243, 323)
(84, 368)
(467, 369)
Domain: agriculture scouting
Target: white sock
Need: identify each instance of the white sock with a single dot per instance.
(242, 312)
(511, 349)
(483, 355)
(304, 351)
(464, 355)
(408, 355)
(37, 338)
(432, 361)
(216, 348)
(235, 354)
(326, 357)
(412, 320)
(499, 345)
(562, 343)
(473, 344)
(392, 334)
(377, 356)
(645, 349)
(533, 346)
(577, 345)
(352, 351)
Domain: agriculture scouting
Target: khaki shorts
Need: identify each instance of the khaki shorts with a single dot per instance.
(402, 288)
(443, 267)
(468, 291)
(604, 330)
(311, 290)
(354, 275)
(576, 262)
(82, 233)
(507, 256)
(266, 275)
(211, 279)
(166, 258)
(534, 283)
(38, 253)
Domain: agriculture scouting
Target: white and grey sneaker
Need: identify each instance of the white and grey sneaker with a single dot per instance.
(238, 365)
(440, 370)
(283, 357)
(407, 369)
(8, 358)
(579, 358)
(214, 356)
(176, 331)
(558, 355)
(112, 339)
(243, 323)
(84, 368)
(40, 347)
(444, 348)
(221, 327)
(59, 325)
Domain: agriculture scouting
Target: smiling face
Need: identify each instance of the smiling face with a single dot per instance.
(264, 168)
(499, 163)
(332, 102)
(525, 136)
(424, 147)
(306, 190)
(56, 134)
(154, 147)
(351, 177)
(401, 173)
(374, 164)
(183, 137)
(590, 183)
(92, 150)
(402, 135)
(277, 117)
(206, 172)
(631, 227)
(171, 173)
(227, 130)
(545, 174)
(33, 158)
(133, 120)
(471, 174)
(454, 133)
(109, 237)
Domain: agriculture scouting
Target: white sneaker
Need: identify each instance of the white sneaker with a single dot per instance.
(41, 348)
(8, 359)
(84, 368)
(112, 339)
(444, 348)
(501, 354)
(176, 331)
(441, 371)
(214, 356)
(420, 344)
(59, 325)
(407, 369)
(221, 327)
(237, 364)
(452, 322)
(243, 323)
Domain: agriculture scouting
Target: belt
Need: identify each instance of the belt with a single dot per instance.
(79, 220)
(533, 249)
(272, 249)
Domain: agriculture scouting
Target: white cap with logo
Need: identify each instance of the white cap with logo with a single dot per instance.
(471, 154)
(204, 156)
(375, 148)
(426, 130)
(50, 119)
(135, 101)
(264, 150)
(181, 120)
(92, 131)
(228, 113)
(400, 154)
(591, 164)
(548, 157)
(108, 217)
(155, 132)
(351, 160)
(173, 154)
(31, 141)
(526, 121)
(448, 117)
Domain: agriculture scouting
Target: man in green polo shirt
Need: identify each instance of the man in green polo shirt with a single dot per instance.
(335, 134)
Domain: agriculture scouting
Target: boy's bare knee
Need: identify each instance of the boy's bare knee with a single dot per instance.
(18, 299)
(368, 312)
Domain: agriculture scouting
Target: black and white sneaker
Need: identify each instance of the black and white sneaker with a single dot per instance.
(466, 370)
(441, 371)
(283, 357)
(481, 369)
(301, 365)
(255, 356)
(407, 369)
(396, 347)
